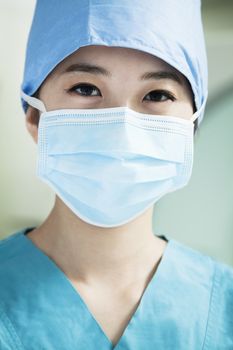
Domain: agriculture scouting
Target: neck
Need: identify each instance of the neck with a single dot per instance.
(90, 253)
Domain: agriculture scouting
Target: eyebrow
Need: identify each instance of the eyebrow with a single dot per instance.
(166, 74)
(97, 70)
(88, 68)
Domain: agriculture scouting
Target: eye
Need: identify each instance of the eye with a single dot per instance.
(86, 90)
(160, 96)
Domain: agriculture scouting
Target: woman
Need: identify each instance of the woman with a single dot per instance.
(113, 92)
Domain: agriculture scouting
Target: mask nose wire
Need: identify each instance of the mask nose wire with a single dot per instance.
(33, 101)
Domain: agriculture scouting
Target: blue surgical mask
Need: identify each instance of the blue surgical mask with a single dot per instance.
(110, 165)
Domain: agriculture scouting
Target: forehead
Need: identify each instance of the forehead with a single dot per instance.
(115, 58)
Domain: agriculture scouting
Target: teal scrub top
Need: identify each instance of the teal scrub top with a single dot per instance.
(187, 305)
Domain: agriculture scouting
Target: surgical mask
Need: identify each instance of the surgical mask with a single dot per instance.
(110, 165)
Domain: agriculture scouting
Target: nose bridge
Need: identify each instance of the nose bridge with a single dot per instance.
(124, 92)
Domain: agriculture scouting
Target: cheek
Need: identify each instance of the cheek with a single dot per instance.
(52, 95)
(181, 109)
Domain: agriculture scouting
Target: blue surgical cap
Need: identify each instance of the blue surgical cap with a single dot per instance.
(171, 30)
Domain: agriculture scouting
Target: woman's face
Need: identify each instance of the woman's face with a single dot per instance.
(102, 77)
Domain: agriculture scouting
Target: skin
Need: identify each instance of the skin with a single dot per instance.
(109, 267)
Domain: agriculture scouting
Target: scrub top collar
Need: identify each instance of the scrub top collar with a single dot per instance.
(172, 312)
(139, 314)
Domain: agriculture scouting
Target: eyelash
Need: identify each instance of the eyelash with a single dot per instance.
(93, 87)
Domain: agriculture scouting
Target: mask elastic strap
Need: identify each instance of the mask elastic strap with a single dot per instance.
(38, 104)
(33, 101)
(199, 111)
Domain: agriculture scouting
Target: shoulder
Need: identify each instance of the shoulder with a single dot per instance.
(218, 278)
(223, 290)
(224, 276)
(10, 247)
(9, 339)
(221, 313)
(219, 273)
(201, 261)
(196, 266)
(11, 252)
(13, 262)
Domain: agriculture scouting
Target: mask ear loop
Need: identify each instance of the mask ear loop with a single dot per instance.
(33, 101)
(198, 112)
(38, 104)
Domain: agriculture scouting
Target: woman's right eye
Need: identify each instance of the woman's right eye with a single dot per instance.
(86, 90)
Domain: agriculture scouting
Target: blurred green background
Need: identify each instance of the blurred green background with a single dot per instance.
(200, 215)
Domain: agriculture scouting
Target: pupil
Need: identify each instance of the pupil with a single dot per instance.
(86, 90)
(157, 96)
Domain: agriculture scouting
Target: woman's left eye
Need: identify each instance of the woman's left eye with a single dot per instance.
(160, 96)
(86, 90)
